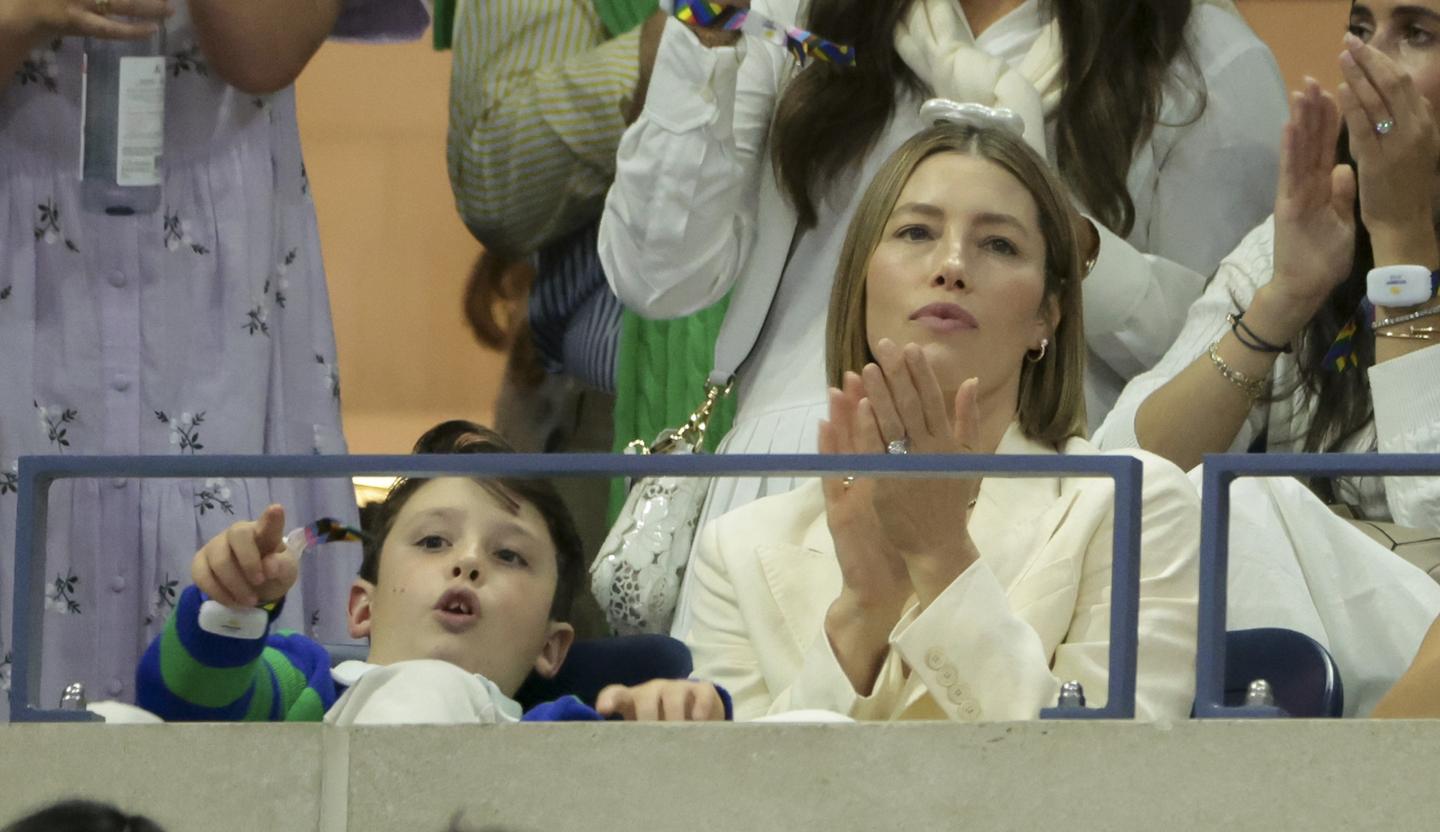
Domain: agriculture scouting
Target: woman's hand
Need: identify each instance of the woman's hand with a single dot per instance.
(41, 19)
(713, 37)
(926, 521)
(875, 583)
(874, 579)
(1314, 218)
(1396, 147)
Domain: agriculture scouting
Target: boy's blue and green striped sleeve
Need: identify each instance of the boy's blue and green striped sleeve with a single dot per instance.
(190, 675)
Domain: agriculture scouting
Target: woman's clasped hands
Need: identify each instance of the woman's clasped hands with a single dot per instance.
(898, 537)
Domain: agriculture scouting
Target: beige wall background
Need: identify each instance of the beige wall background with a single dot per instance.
(373, 124)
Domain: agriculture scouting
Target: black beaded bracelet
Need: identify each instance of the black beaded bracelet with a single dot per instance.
(1247, 337)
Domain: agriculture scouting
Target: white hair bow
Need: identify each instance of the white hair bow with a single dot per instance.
(970, 114)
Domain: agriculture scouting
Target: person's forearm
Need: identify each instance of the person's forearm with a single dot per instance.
(1200, 411)
(260, 46)
(1417, 693)
(860, 638)
(932, 573)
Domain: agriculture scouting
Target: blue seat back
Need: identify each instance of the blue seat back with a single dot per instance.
(1301, 673)
(619, 660)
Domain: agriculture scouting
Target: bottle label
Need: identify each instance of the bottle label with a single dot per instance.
(140, 133)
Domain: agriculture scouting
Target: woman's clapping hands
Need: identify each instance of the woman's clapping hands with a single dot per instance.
(901, 534)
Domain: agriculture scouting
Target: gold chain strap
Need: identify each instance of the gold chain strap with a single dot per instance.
(691, 433)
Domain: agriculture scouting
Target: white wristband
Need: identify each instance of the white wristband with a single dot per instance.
(1398, 285)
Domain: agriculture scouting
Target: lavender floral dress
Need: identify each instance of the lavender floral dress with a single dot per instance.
(203, 328)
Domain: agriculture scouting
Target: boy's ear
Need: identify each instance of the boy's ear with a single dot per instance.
(553, 651)
(362, 595)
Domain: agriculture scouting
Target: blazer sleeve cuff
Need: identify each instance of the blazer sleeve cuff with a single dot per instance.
(971, 652)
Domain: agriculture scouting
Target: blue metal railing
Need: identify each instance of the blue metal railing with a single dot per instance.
(1220, 471)
(37, 473)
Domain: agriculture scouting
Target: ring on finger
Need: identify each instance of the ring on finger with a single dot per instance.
(847, 482)
(1384, 126)
(898, 446)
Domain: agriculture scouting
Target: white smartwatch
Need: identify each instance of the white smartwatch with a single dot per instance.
(1399, 285)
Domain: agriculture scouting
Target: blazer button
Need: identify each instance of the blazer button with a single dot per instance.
(960, 695)
(934, 658)
(946, 675)
(970, 709)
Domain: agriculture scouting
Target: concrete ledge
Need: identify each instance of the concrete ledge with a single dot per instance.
(600, 777)
(200, 777)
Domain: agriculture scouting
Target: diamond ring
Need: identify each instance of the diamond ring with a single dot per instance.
(898, 446)
(1384, 127)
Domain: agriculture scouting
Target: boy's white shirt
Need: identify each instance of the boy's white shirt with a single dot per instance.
(417, 692)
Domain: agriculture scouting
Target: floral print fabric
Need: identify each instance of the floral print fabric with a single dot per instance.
(203, 328)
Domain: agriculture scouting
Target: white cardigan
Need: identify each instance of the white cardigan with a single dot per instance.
(695, 209)
(1032, 613)
(1404, 393)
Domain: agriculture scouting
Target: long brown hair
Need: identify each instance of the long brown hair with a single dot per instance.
(1117, 59)
(1052, 390)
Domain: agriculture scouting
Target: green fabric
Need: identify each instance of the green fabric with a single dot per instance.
(288, 678)
(307, 708)
(620, 16)
(660, 375)
(443, 21)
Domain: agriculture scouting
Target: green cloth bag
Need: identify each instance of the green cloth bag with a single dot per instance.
(442, 23)
(660, 375)
(620, 16)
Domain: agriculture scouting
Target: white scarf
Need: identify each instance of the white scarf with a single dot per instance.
(935, 41)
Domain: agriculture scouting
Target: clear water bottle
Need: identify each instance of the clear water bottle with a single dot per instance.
(122, 106)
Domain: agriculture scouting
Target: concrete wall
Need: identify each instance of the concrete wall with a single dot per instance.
(1276, 775)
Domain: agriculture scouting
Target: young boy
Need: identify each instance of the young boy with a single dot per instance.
(463, 592)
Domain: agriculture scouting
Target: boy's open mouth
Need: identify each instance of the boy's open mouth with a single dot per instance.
(458, 609)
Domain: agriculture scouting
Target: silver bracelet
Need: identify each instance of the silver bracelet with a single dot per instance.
(1407, 318)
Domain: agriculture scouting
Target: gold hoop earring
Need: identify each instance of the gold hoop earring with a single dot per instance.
(1036, 359)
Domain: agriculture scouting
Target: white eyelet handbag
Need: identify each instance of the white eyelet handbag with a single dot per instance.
(637, 573)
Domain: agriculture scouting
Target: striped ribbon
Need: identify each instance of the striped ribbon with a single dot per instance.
(802, 44)
(324, 530)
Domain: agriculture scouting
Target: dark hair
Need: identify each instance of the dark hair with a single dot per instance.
(461, 437)
(1117, 59)
(83, 816)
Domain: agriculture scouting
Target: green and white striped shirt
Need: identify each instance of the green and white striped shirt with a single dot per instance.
(536, 94)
